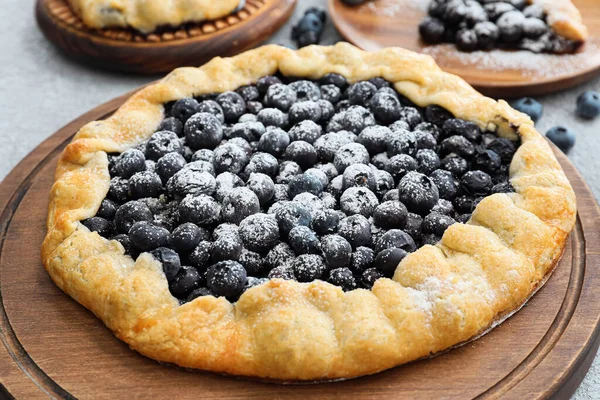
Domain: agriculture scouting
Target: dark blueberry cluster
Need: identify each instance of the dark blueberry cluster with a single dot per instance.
(310, 27)
(487, 24)
(299, 180)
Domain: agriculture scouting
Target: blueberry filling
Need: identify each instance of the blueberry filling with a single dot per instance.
(484, 25)
(228, 194)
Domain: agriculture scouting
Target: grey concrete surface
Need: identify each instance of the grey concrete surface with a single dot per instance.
(40, 91)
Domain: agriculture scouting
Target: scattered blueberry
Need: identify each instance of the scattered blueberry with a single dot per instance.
(562, 137)
(588, 104)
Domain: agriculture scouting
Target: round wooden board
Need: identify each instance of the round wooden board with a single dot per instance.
(384, 23)
(53, 346)
(189, 45)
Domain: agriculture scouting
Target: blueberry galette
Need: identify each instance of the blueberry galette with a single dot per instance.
(540, 26)
(306, 215)
(145, 16)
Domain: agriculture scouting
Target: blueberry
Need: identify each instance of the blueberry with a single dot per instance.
(130, 213)
(161, 143)
(413, 225)
(401, 142)
(428, 161)
(391, 195)
(263, 163)
(466, 40)
(425, 140)
(125, 242)
(504, 148)
(227, 279)
(374, 138)
(287, 171)
(487, 34)
(476, 183)
(230, 158)
(390, 214)
(146, 236)
(336, 251)
(304, 241)
(360, 93)
(187, 181)
(98, 224)
(418, 192)
(273, 117)
(306, 90)
(458, 145)
(328, 200)
(510, 25)
(358, 200)
(328, 144)
(302, 153)
(487, 160)
(274, 142)
(186, 281)
(304, 111)
(280, 96)
(168, 165)
(359, 175)
(458, 127)
(369, 276)
(290, 215)
(240, 203)
(588, 104)
(285, 272)
(128, 163)
(505, 187)
(281, 193)
(307, 131)
(336, 80)
(362, 259)
(305, 183)
(437, 115)
(384, 182)
(395, 238)
(265, 82)
(356, 229)
(203, 130)
(432, 30)
(400, 165)
(200, 209)
(331, 93)
(170, 261)
(327, 110)
(186, 237)
(144, 184)
(356, 118)
(224, 183)
(259, 232)
(212, 107)
(308, 267)
(184, 108)
(249, 131)
(447, 186)
(454, 164)
(320, 175)
(443, 207)
(228, 246)
(108, 209)
(201, 256)
(279, 255)
(385, 107)
(343, 278)
(530, 107)
(496, 10)
(263, 186)
(325, 221)
(233, 105)
(171, 124)
(349, 154)
(387, 261)
(562, 137)
(252, 262)
(203, 155)
(464, 204)
(436, 223)
(533, 28)
(249, 92)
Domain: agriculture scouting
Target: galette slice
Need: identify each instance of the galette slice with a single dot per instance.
(306, 215)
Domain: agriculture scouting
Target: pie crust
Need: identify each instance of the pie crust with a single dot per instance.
(564, 18)
(147, 15)
(440, 296)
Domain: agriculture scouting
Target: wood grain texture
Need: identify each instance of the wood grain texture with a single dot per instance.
(189, 45)
(53, 346)
(498, 73)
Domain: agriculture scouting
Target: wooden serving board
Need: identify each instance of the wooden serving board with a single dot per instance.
(189, 45)
(497, 73)
(52, 346)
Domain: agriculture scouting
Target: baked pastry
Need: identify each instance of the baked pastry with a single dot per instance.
(147, 16)
(541, 26)
(191, 169)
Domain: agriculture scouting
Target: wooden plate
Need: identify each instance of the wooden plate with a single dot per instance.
(189, 45)
(53, 346)
(384, 23)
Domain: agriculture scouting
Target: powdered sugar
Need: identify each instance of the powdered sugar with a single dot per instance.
(395, 8)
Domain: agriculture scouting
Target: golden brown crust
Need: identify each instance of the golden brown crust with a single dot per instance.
(147, 15)
(440, 295)
(564, 18)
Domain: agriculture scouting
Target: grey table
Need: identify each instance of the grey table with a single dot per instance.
(40, 91)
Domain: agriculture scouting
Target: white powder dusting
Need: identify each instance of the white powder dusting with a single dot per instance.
(394, 8)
